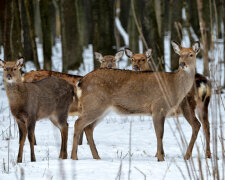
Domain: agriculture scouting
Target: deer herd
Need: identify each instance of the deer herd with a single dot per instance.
(54, 95)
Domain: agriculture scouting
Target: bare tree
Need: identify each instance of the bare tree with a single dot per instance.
(203, 29)
(31, 33)
(46, 33)
(17, 48)
(103, 28)
(71, 44)
(8, 30)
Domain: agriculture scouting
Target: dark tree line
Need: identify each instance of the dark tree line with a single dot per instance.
(81, 22)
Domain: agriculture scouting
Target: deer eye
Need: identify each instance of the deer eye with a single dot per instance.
(14, 69)
(143, 60)
(191, 55)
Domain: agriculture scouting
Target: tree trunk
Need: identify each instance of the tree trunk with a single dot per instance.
(176, 31)
(152, 35)
(8, 31)
(17, 47)
(71, 44)
(103, 28)
(132, 28)
(223, 43)
(31, 33)
(27, 47)
(46, 33)
(203, 29)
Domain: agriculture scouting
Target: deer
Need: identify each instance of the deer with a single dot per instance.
(197, 99)
(107, 61)
(131, 92)
(31, 101)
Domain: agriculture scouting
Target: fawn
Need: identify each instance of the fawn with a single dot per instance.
(30, 102)
(130, 92)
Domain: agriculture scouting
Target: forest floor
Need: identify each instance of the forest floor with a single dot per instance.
(112, 141)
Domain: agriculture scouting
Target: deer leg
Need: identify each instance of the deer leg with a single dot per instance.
(203, 116)
(31, 140)
(23, 133)
(81, 138)
(64, 135)
(35, 143)
(189, 114)
(89, 134)
(158, 121)
(78, 128)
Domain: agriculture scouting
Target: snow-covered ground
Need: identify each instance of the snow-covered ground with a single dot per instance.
(112, 141)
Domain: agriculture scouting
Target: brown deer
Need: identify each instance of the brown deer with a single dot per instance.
(106, 62)
(130, 92)
(198, 98)
(30, 102)
(109, 61)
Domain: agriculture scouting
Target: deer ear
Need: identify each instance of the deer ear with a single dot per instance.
(2, 63)
(119, 55)
(128, 52)
(98, 56)
(19, 63)
(196, 47)
(176, 47)
(148, 53)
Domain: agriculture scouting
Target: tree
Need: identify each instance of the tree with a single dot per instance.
(46, 33)
(152, 34)
(27, 47)
(17, 47)
(132, 27)
(71, 44)
(175, 29)
(8, 31)
(103, 28)
(204, 39)
(31, 33)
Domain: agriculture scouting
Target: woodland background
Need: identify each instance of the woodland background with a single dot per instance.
(78, 23)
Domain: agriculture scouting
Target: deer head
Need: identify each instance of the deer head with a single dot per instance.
(140, 62)
(187, 58)
(12, 70)
(108, 61)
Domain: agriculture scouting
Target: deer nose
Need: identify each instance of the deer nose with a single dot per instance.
(182, 64)
(9, 76)
(135, 68)
(110, 66)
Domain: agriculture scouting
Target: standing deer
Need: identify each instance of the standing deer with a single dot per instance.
(130, 92)
(198, 98)
(106, 62)
(30, 102)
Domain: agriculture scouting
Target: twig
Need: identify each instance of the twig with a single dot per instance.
(141, 172)
(129, 172)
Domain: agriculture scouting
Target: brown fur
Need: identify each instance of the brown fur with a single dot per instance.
(131, 92)
(198, 98)
(34, 76)
(30, 102)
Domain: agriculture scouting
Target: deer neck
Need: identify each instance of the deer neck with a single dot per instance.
(14, 91)
(184, 79)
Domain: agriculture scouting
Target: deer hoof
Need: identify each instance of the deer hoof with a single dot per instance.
(187, 156)
(208, 154)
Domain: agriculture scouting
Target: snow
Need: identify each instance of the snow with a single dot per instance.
(112, 141)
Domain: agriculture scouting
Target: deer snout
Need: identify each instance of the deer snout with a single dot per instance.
(110, 66)
(182, 64)
(9, 76)
(135, 68)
